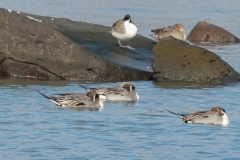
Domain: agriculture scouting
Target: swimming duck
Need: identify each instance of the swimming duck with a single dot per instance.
(77, 100)
(177, 31)
(215, 116)
(124, 30)
(125, 93)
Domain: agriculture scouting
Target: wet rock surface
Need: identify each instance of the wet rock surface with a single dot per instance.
(176, 60)
(49, 48)
(206, 32)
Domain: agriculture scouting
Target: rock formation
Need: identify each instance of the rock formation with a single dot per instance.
(176, 60)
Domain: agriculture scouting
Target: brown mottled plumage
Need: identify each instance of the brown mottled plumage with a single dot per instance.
(177, 31)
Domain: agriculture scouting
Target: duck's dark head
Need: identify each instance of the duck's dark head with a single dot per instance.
(219, 110)
(127, 17)
(130, 87)
(92, 94)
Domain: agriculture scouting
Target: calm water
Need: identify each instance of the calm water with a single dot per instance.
(34, 128)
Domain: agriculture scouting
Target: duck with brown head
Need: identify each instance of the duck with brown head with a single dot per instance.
(126, 93)
(79, 101)
(215, 116)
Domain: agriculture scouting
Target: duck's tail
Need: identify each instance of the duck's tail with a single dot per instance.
(175, 113)
(50, 98)
(86, 88)
(44, 95)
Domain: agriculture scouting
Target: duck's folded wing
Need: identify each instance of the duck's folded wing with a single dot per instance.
(102, 91)
(72, 100)
(211, 118)
(105, 91)
(189, 117)
(121, 92)
(118, 26)
(204, 117)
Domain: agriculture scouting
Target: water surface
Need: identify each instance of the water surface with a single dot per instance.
(34, 128)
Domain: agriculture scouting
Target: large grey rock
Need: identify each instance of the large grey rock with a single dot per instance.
(206, 32)
(176, 60)
(2, 72)
(46, 48)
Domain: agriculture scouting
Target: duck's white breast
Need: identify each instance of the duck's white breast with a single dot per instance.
(131, 30)
(102, 97)
(137, 96)
(225, 119)
(101, 104)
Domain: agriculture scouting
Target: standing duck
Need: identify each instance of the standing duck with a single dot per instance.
(124, 30)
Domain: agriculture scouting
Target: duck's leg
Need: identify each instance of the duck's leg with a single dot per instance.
(120, 45)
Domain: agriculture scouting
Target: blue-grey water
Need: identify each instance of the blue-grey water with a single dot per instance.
(31, 127)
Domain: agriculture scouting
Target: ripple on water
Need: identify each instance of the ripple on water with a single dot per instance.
(34, 128)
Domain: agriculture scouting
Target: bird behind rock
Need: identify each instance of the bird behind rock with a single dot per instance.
(177, 31)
